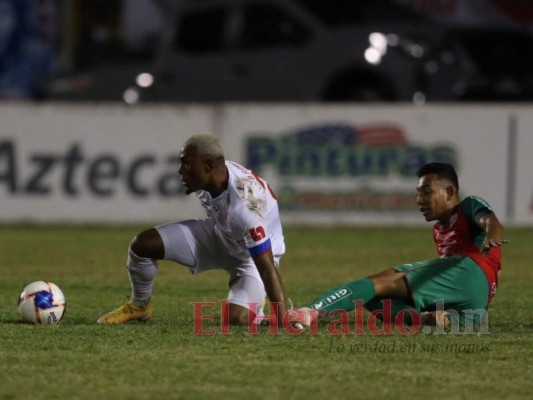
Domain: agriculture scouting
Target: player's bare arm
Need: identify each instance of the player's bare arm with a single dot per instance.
(494, 231)
(272, 281)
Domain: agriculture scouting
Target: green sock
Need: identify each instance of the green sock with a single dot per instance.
(343, 297)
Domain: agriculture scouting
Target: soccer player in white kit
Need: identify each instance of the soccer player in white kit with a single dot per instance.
(241, 234)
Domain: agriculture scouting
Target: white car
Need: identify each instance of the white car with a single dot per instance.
(301, 50)
(305, 50)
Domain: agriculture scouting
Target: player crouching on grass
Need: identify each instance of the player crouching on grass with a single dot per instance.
(241, 234)
(468, 237)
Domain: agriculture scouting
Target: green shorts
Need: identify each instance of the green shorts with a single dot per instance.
(449, 283)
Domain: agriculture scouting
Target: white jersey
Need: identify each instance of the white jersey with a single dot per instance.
(246, 214)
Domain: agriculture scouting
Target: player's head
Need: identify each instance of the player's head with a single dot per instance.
(200, 157)
(442, 171)
(437, 190)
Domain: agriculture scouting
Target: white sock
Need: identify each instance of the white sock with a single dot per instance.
(142, 272)
(260, 317)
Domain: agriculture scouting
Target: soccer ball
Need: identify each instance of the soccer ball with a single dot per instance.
(42, 302)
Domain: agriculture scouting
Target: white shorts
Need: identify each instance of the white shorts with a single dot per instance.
(194, 243)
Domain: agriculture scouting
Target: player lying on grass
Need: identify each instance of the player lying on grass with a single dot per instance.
(241, 234)
(468, 237)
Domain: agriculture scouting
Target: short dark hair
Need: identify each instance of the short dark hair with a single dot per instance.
(442, 170)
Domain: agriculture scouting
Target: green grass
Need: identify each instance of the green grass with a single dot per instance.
(164, 359)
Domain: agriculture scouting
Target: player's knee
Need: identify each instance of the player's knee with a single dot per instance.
(239, 315)
(383, 286)
(390, 286)
(379, 285)
(148, 244)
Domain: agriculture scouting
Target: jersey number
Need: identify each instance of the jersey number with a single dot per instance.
(257, 233)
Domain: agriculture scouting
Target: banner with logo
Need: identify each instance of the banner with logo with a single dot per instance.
(342, 164)
(95, 164)
(353, 164)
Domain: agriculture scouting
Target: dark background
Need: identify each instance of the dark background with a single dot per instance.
(81, 50)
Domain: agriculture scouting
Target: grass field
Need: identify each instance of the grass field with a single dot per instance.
(162, 359)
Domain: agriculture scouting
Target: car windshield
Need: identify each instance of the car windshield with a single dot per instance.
(348, 12)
